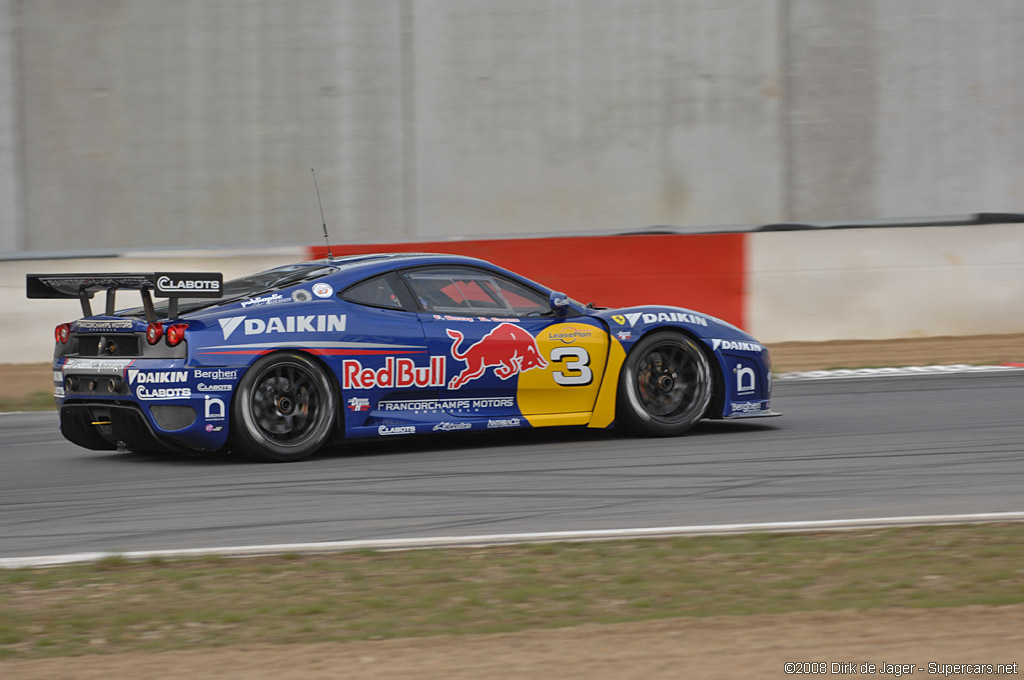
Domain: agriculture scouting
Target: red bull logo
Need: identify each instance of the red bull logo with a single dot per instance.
(508, 348)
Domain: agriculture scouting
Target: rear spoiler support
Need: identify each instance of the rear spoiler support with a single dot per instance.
(147, 304)
(85, 299)
(111, 294)
(171, 285)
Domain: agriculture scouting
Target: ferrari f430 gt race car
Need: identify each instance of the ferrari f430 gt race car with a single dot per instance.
(278, 364)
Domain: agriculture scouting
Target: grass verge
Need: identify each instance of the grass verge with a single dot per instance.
(33, 401)
(120, 606)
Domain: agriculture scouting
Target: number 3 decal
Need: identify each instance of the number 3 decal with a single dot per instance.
(576, 366)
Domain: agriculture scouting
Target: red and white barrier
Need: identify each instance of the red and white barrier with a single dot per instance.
(704, 272)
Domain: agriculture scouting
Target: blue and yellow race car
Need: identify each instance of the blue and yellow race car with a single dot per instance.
(280, 363)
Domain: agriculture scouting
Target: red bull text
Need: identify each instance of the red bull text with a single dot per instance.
(397, 372)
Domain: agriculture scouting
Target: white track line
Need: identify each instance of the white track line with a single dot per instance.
(506, 539)
(955, 369)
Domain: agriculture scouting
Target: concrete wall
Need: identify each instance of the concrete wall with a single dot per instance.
(152, 123)
(11, 217)
(541, 115)
(147, 123)
(904, 108)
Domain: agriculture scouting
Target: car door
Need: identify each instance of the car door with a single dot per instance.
(389, 361)
(506, 354)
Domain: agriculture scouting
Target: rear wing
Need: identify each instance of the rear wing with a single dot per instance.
(172, 285)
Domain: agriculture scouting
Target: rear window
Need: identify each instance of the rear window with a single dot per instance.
(375, 292)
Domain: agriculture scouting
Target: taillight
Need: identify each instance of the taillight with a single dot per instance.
(62, 332)
(176, 333)
(154, 331)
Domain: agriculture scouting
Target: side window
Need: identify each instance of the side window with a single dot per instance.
(454, 290)
(523, 300)
(375, 292)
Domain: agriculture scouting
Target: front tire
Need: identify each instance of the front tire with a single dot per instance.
(283, 410)
(665, 385)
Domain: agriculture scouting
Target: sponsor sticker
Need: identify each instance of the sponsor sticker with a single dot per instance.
(358, 404)
(213, 408)
(448, 427)
(746, 379)
(136, 376)
(659, 317)
(307, 323)
(272, 299)
(97, 365)
(442, 405)
(570, 334)
(215, 374)
(188, 284)
(159, 393)
(206, 387)
(322, 290)
(509, 349)
(398, 429)
(101, 325)
(58, 391)
(745, 406)
(736, 345)
(213, 428)
(624, 335)
(496, 423)
(396, 372)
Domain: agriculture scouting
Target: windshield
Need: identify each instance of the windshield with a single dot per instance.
(245, 287)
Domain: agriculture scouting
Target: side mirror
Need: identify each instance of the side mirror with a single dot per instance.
(561, 304)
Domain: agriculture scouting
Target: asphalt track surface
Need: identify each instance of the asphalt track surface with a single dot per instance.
(853, 448)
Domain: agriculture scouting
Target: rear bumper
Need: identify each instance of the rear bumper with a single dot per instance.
(119, 424)
(110, 426)
(143, 404)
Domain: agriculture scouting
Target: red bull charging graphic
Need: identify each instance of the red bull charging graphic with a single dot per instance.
(508, 348)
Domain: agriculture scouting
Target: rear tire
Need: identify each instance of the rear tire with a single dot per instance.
(665, 385)
(283, 410)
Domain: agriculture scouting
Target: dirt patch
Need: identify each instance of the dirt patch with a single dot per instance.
(974, 349)
(718, 647)
(21, 380)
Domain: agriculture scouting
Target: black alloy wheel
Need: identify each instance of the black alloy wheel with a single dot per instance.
(284, 409)
(665, 385)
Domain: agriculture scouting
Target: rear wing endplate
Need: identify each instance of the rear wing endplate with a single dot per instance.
(172, 285)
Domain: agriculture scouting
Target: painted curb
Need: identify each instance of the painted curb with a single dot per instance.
(842, 373)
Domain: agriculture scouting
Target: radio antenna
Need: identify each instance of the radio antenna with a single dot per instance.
(322, 218)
